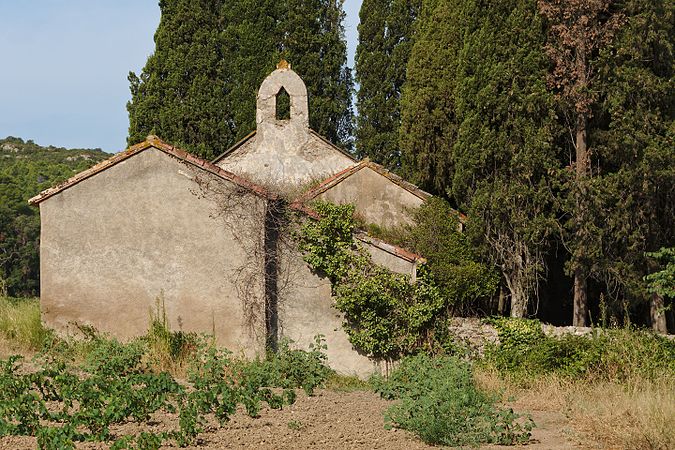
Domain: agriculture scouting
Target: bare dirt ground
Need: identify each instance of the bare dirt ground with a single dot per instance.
(328, 420)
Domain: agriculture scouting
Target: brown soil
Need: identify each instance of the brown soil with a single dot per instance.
(329, 420)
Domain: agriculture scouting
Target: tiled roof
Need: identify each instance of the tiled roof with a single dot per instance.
(153, 142)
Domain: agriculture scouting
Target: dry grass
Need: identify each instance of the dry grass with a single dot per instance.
(638, 414)
(20, 323)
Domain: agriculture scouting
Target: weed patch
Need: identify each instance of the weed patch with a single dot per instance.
(439, 401)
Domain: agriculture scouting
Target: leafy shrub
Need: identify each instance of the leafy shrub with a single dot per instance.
(662, 282)
(608, 354)
(452, 259)
(438, 401)
(109, 356)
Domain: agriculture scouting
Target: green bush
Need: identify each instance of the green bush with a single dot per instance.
(109, 356)
(439, 401)
(619, 354)
(289, 368)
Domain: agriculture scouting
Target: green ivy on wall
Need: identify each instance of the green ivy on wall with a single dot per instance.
(386, 315)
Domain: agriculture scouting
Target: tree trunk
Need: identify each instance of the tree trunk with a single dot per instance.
(580, 315)
(501, 306)
(580, 318)
(518, 299)
(657, 313)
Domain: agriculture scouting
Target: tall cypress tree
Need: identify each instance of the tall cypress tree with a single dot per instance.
(180, 95)
(385, 42)
(478, 127)
(313, 40)
(252, 44)
(198, 89)
(633, 135)
(504, 157)
(428, 124)
(578, 31)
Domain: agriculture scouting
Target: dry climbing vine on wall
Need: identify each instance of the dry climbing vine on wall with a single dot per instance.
(259, 226)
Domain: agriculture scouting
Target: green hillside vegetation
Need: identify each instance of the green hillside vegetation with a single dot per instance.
(26, 169)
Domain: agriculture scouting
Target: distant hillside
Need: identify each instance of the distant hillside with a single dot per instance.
(26, 169)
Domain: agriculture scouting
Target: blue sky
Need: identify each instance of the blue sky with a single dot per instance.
(63, 77)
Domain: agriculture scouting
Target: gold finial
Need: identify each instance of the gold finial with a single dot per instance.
(283, 64)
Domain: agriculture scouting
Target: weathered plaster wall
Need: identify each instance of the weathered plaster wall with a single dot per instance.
(306, 309)
(284, 160)
(113, 243)
(376, 198)
(285, 154)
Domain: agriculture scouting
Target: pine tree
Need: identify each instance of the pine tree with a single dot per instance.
(385, 42)
(180, 95)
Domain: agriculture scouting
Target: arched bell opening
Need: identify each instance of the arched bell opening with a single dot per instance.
(283, 105)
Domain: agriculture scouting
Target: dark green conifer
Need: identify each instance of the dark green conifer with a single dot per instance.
(505, 163)
(633, 141)
(313, 41)
(198, 90)
(478, 127)
(428, 125)
(180, 95)
(385, 41)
